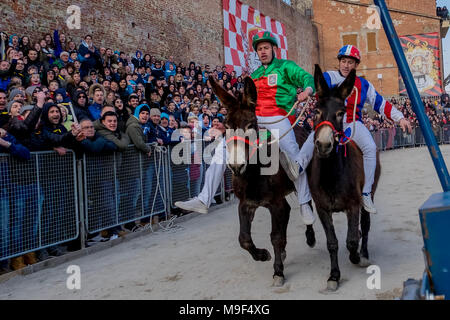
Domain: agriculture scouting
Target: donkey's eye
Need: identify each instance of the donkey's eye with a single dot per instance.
(317, 114)
(340, 114)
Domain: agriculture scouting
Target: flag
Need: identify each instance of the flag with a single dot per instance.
(423, 56)
(240, 23)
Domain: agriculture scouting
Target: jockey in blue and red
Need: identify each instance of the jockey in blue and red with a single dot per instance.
(349, 59)
(366, 91)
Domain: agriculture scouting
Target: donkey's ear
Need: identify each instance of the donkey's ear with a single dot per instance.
(249, 98)
(227, 99)
(321, 84)
(346, 88)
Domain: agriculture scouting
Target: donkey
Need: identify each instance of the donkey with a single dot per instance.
(251, 187)
(336, 175)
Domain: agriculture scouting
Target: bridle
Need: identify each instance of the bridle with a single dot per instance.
(254, 145)
(340, 136)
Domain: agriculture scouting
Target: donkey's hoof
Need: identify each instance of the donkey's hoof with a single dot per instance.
(355, 258)
(310, 238)
(278, 281)
(364, 263)
(266, 256)
(262, 255)
(283, 256)
(332, 285)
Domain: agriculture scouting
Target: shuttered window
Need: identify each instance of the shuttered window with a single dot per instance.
(350, 39)
(371, 42)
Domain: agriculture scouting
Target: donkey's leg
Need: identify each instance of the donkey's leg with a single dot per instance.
(365, 227)
(309, 233)
(246, 214)
(353, 234)
(280, 218)
(332, 244)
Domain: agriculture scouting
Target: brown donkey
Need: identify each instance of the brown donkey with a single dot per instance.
(336, 175)
(251, 187)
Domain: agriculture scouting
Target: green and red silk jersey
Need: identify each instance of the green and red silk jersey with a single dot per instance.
(277, 86)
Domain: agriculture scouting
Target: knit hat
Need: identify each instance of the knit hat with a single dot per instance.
(9, 105)
(14, 93)
(144, 108)
(164, 115)
(26, 108)
(64, 52)
(155, 112)
(29, 91)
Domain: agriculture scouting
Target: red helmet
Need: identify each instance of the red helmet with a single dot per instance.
(349, 51)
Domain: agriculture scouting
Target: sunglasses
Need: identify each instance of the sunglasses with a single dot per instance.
(82, 97)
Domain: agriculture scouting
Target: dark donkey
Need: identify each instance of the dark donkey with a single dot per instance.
(251, 187)
(336, 175)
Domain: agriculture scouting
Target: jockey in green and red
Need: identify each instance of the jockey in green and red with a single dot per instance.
(277, 81)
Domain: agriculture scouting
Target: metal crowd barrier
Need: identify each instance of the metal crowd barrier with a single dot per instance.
(393, 138)
(124, 187)
(38, 202)
(188, 178)
(43, 200)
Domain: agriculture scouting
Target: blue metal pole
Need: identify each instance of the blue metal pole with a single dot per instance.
(414, 95)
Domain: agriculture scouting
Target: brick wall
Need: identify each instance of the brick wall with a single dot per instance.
(188, 30)
(335, 18)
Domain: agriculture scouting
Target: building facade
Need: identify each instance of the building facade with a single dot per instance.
(341, 22)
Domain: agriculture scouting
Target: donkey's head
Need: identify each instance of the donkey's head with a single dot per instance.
(330, 111)
(241, 124)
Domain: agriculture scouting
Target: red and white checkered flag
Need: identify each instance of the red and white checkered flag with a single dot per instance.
(240, 23)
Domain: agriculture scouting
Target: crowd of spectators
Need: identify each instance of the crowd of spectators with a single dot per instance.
(57, 95)
(437, 109)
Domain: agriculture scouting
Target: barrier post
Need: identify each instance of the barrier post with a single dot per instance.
(81, 194)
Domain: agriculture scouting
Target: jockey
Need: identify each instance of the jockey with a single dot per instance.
(349, 59)
(276, 81)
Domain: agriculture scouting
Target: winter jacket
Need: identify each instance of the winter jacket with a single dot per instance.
(22, 128)
(120, 139)
(4, 117)
(49, 135)
(5, 76)
(97, 144)
(80, 112)
(15, 149)
(95, 111)
(135, 130)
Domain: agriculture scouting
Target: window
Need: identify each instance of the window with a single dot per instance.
(371, 42)
(350, 39)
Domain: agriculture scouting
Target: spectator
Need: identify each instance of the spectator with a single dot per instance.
(98, 94)
(108, 128)
(88, 55)
(4, 113)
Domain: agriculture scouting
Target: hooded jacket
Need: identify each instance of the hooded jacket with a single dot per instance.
(49, 135)
(138, 62)
(80, 112)
(135, 130)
